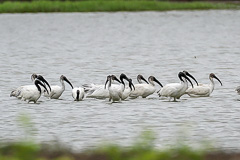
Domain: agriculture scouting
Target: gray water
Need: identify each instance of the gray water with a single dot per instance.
(86, 47)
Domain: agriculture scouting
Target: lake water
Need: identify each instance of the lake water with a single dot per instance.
(86, 47)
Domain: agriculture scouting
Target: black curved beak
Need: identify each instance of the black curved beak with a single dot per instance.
(108, 77)
(37, 83)
(188, 74)
(217, 79)
(188, 80)
(157, 81)
(44, 81)
(105, 83)
(144, 79)
(123, 76)
(131, 84)
(115, 78)
(65, 79)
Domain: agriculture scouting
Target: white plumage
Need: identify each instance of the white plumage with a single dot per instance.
(32, 94)
(17, 92)
(203, 90)
(144, 90)
(78, 93)
(57, 91)
(96, 91)
(99, 91)
(128, 89)
(115, 92)
(175, 90)
(125, 90)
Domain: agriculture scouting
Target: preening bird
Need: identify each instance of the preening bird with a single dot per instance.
(32, 94)
(189, 75)
(99, 91)
(95, 91)
(17, 92)
(203, 90)
(78, 93)
(175, 90)
(144, 90)
(115, 93)
(128, 89)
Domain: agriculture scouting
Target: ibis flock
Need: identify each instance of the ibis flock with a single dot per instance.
(117, 89)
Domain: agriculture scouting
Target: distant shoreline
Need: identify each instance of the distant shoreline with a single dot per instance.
(111, 6)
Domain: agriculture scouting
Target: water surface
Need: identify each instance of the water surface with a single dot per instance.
(86, 47)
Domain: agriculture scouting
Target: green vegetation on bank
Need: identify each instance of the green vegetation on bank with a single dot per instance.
(31, 151)
(109, 6)
(143, 148)
(28, 151)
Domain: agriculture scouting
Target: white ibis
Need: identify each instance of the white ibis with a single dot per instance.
(189, 75)
(57, 91)
(17, 92)
(32, 94)
(203, 90)
(115, 93)
(140, 78)
(125, 90)
(175, 90)
(145, 90)
(78, 93)
(99, 91)
(128, 89)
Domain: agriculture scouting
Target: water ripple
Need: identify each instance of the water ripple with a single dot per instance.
(86, 47)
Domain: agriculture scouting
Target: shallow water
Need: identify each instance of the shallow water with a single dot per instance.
(86, 47)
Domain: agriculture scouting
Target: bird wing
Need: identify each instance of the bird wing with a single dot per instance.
(116, 87)
(82, 93)
(99, 92)
(90, 87)
(93, 88)
(74, 91)
(126, 93)
(139, 90)
(169, 89)
(55, 92)
(198, 90)
(27, 90)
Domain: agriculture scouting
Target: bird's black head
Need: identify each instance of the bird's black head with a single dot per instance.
(40, 77)
(212, 75)
(182, 75)
(140, 78)
(65, 79)
(189, 75)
